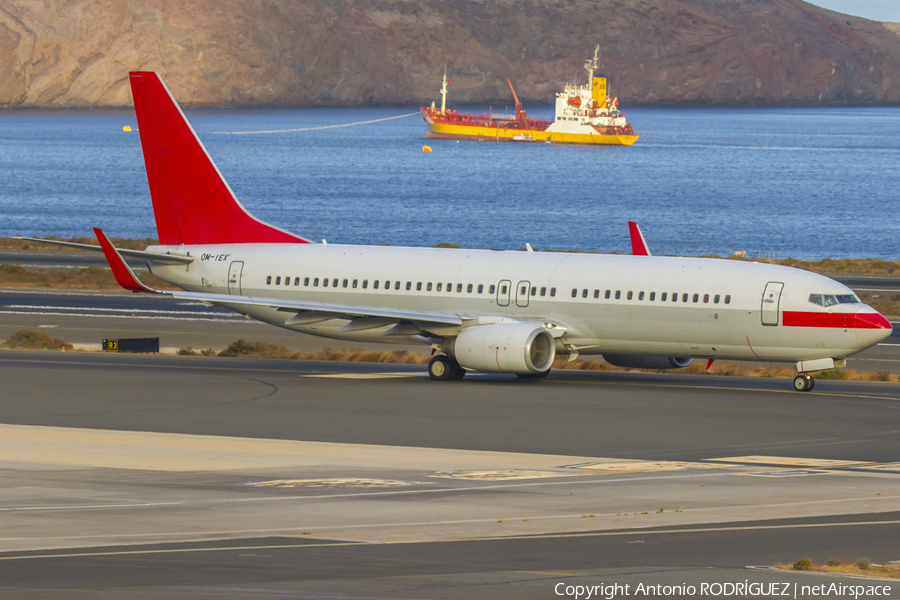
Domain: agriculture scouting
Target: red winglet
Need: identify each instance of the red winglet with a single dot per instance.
(122, 272)
(638, 243)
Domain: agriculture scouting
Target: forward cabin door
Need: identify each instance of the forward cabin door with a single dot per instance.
(234, 277)
(771, 301)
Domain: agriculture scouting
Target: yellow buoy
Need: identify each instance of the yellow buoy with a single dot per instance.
(126, 128)
(426, 148)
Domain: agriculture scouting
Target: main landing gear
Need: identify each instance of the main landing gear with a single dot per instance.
(804, 382)
(444, 368)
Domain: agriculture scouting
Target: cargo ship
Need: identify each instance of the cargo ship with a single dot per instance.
(585, 114)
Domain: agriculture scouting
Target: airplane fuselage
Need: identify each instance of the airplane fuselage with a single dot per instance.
(609, 304)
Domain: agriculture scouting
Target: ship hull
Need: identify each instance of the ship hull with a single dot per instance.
(499, 134)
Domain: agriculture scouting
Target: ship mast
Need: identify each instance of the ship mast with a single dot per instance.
(591, 65)
(444, 91)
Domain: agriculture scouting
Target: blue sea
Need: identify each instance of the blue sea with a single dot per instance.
(805, 183)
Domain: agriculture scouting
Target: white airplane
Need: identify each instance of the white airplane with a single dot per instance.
(480, 310)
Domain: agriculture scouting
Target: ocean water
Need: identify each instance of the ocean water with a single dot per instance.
(806, 183)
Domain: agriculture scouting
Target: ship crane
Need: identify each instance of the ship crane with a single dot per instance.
(520, 114)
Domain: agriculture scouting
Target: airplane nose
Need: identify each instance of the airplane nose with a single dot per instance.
(871, 327)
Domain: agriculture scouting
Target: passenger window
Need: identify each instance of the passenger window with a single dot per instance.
(716, 299)
(428, 287)
(607, 294)
(630, 294)
(316, 282)
(492, 289)
(640, 295)
(365, 284)
(440, 287)
(449, 287)
(459, 288)
(727, 299)
(534, 290)
(552, 292)
(269, 280)
(596, 293)
(480, 288)
(397, 285)
(684, 297)
(387, 284)
(296, 281)
(408, 285)
(817, 299)
(374, 284)
(574, 292)
(543, 291)
(345, 283)
(696, 298)
(705, 298)
(652, 296)
(419, 286)
(354, 283)
(584, 293)
(618, 294)
(662, 297)
(325, 282)
(306, 281)
(278, 280)
(334, 282)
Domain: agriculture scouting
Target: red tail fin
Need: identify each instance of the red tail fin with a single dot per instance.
(191, 200)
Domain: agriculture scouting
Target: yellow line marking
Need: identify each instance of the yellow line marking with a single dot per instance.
(501, 475)
(346, 482)
(364, 375)
(790, 462)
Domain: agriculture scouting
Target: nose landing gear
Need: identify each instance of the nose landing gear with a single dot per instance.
(804, 382)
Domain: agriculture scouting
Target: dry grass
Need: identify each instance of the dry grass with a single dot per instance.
(33, 340)
(241, 348)
(89, 278)
(841, 567)
(886, 304)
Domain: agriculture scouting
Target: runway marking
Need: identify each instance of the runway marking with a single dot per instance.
(500, 475)
(127, 310)
(345, 482)
(552, 536)
(791, 462)
(782, 473)
(640, 466)
(364, 375)
(223, 319)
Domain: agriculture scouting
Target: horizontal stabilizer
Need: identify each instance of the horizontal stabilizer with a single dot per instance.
(167, 258)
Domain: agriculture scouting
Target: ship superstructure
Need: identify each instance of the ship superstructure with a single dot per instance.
(585, 114)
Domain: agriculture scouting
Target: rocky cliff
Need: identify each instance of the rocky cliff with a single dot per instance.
(77, 53)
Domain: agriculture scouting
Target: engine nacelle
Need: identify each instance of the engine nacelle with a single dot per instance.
(636, 361)
(503, 348)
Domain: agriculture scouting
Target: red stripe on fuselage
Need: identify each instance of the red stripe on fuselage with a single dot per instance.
(839, 320)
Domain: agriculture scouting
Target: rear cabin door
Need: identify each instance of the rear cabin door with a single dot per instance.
(234, 277)
(503, 292)
(522, 293)
(771, 301)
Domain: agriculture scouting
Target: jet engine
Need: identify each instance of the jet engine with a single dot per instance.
(636, 361)
(503, 348)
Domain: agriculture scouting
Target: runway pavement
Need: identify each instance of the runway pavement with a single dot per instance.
(157, 476)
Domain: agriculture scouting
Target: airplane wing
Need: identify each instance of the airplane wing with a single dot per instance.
(305, 312)
(168, 258)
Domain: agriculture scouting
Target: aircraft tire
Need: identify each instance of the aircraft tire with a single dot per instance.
(804, 383)
(440, 368)
(458, 372)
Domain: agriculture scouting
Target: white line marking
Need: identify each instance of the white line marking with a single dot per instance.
(125, 310)
(129, 316)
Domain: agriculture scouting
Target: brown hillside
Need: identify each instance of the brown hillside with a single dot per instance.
(352, 52)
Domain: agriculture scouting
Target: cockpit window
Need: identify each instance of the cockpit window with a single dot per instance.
(832, 299)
